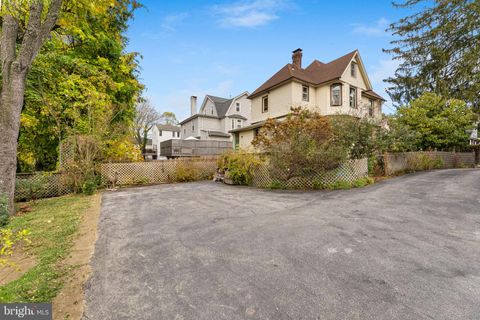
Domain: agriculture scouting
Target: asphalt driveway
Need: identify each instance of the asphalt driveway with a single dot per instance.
(406, 248)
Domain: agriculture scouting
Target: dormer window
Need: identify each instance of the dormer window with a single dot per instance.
(353, 69)
(237, 106)
(305, 93)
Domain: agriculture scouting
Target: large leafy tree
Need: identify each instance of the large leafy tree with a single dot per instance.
(26, 26)
(439, 51)
(82, 82)
(438, 123)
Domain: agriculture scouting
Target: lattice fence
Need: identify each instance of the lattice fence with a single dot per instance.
(348, 172)
(409, 161)
(29, 186)
(162, 171)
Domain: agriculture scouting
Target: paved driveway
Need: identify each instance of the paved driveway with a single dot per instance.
(406, 248)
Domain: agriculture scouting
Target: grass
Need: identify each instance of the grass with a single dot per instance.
(53, 224)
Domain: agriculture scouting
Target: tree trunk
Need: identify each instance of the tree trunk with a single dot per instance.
(11, 103)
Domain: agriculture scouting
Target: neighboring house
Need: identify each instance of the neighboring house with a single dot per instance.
(216, 117)
(163, 132)
(474, 138)
(341, 86)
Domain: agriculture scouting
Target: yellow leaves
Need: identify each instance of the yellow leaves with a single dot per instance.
(8, 239)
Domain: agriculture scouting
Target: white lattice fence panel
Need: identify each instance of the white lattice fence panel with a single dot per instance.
(163, 171)
(348, 172)
(40, 185)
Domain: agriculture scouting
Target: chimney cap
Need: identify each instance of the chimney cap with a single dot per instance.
(297, 50)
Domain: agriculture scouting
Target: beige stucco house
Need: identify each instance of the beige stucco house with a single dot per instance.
(216, 117)
(337, 87)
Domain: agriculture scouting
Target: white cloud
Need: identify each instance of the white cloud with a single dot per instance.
(249, 14)
(378, 29)
(171, 21)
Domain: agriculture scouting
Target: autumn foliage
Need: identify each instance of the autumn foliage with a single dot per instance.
(302, 144)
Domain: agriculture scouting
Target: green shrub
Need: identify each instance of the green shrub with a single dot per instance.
(89, 187)
(362, 182)
(3, 209)
(185, 172)
(339, 185)
(277, 185)
(239, 166)
(419, 162)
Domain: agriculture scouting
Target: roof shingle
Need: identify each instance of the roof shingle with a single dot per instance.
(316, 73)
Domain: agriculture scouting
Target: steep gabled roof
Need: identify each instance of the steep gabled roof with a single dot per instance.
(316, 73)
(221, 104)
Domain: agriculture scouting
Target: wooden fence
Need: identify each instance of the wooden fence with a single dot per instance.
(162, 171)
(348, 172)
(395, 163)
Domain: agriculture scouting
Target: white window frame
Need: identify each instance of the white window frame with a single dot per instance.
(354, 97)
(305, 93)
(339, 95)
(371, 107)
(265, 105)
(237, 106)
(353, 69)
(239, 123)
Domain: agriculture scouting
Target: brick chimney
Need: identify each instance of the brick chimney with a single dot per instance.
(297, 58)
(193, 105)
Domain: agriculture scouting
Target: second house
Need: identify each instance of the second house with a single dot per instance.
(216, 117)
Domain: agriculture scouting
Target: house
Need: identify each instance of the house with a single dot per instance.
(341, 86)
(158, 134)
(216, 117)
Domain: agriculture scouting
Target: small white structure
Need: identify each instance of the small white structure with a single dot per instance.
(160, 133)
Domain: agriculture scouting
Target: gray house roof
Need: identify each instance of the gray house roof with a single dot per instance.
(221, 104)
(168, 127)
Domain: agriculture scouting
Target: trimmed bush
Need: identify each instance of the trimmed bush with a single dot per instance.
(239, 166)
(185, 172)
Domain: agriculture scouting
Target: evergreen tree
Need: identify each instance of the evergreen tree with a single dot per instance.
(439, 51)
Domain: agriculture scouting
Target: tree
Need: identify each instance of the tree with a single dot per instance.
(168, 118)
(300, 145)
(33, 29)
(439, 50)
(85, 85)
(439, 123)
(146, 117)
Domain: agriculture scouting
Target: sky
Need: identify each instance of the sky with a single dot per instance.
(224, 48)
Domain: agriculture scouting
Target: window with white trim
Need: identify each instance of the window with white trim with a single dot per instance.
(353, 69)
(371, 107)
(237, 106)
(305, 93)
(265, 104)
(353, 97)
(239, 123)
(336, 94)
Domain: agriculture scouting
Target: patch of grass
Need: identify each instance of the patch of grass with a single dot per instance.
(53, 224)
(277, 185)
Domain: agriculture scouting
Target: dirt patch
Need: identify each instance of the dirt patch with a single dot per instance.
(23, 262)
(69, 303)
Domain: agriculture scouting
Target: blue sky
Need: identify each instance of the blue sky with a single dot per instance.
(226, 47)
